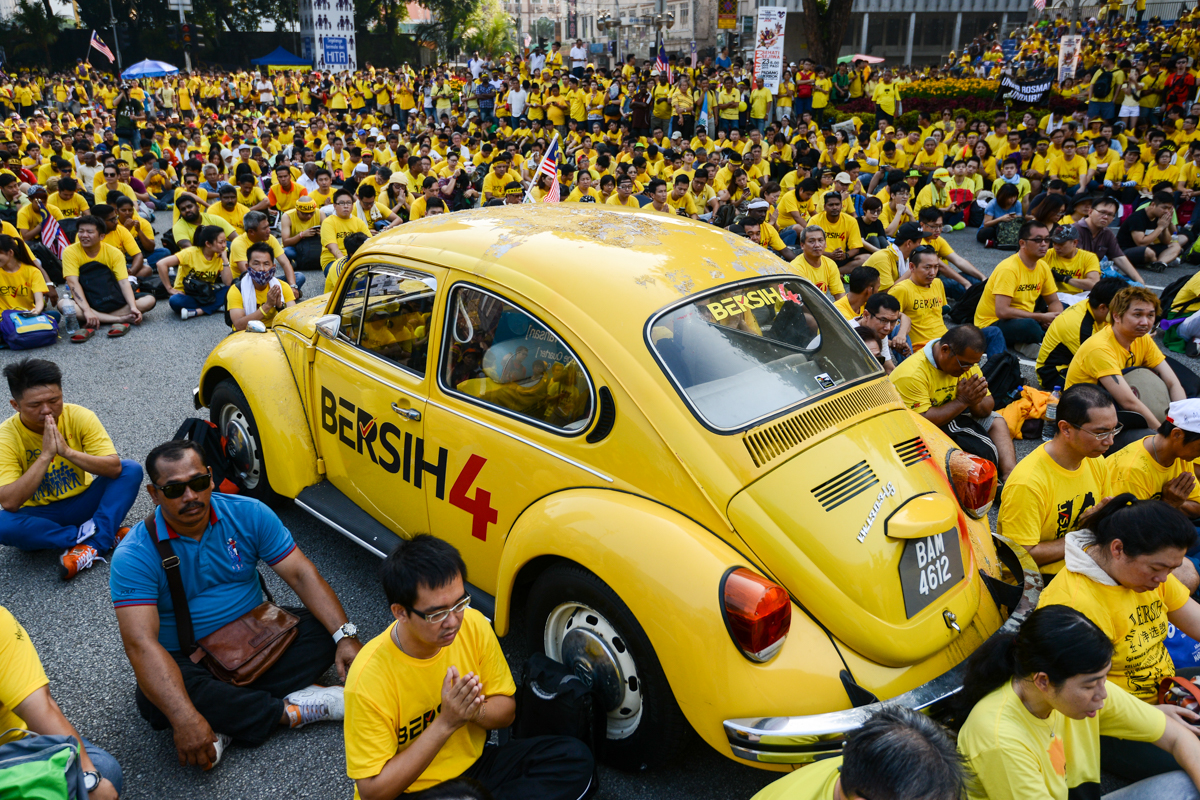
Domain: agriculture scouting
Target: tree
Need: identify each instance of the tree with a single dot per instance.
(450, 20)
(38, 27)
(489, 30)
(825, 24)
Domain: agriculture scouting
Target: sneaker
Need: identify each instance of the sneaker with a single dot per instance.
(121, 534)
(1192, 348)
(188, 313)
(1157, 266)
(73, 561)
(1175, 262)
(947, 228)
(958, 226)
(223, 741)
(86, 531)
(315, 704)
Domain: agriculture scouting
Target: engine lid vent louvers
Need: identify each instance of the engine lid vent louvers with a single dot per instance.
(912, 451)
(842, 488)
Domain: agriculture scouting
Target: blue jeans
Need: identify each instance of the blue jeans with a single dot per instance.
(290, 252)
(993, 339)
(727, 125)
(154, 256)
(105, 764)
(181, 300)
(55, 526)
(1019, 331)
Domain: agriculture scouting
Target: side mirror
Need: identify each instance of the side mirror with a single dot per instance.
(256, 326)
(328, 325)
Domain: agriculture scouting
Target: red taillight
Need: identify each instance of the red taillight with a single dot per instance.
(974, 481)
(758, 612)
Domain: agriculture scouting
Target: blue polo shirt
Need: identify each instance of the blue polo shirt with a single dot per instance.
(219, 570)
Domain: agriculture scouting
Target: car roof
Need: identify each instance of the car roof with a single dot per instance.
(613, 264)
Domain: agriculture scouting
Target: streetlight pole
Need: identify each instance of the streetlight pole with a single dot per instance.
(116, 39)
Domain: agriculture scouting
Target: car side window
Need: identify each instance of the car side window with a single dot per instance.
(498, 355)
(396, 323)
(352, 306)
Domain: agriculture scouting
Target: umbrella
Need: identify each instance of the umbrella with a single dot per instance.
(860, 57)
(149, 69)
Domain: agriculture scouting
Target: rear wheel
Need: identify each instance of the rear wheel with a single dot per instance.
(576, 619)
(230, 412)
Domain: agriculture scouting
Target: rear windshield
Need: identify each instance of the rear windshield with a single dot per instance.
(748, 351)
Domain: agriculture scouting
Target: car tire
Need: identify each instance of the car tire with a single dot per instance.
(646, 727)
(230, 411)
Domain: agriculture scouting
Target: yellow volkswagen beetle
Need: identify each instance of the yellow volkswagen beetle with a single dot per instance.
(653, 441)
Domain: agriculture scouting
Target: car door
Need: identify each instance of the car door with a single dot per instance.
(371, 386)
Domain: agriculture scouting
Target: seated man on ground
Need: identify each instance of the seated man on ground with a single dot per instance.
(842, 241)
(881, 315)
(943, 383)
(62, 484)
(26, 703)
(863, 283)
(1012, 292)
(108, 298)
(1125, 344)
(218, 540)
(258, 294)
(1074, 270)
(1149, 235)
(440, 664)
(1072, 328)
(258, 230)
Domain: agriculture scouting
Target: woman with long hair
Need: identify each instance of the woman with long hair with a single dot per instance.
(1035, 703)
(1118, 573)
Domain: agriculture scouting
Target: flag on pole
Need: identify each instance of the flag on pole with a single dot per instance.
(1040, 5)
(52, 235)
(548, 166)
(99, 44)
(702, 117)
(662, 65)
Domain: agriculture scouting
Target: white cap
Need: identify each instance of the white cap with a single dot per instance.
(395, 127)
(361, 168)
(1185, 414)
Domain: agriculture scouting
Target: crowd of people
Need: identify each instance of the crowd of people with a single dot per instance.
(267, 179)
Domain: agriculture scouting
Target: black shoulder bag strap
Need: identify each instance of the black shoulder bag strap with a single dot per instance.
(170, 564)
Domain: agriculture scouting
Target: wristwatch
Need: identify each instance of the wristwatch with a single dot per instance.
(349, 630)
(91, 780)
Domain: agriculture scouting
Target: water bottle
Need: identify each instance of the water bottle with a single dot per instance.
(66, 307)
(1050, 428)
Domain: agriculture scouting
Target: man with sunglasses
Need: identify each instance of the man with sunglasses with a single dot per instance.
(943, 383)
(218, 540)
(62, 484)
(1057, 487)
(423, 695)
(1012, 292)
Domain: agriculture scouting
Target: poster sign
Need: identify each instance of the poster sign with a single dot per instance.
(336, 53)
(327, 32)
(727, 14)
(768, 46)
(1068, 56)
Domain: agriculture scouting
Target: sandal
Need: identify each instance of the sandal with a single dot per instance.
(118, 330)
(82, 335)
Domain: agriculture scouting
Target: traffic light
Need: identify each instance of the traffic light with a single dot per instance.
(173, 33)
(198, 36)
(185, 33)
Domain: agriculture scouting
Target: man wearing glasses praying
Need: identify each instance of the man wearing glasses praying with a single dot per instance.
(1057, 487)
(423, 695)
(1011, 294)
(219, 539)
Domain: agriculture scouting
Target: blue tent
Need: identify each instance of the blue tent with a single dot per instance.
(281, 58)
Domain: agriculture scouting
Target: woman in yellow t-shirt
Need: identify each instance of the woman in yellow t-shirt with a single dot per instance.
(204, 260)
(22, 285)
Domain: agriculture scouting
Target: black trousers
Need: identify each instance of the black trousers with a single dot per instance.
(543, 767)
(250, 713)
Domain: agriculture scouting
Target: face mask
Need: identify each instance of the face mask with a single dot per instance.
(262, 278)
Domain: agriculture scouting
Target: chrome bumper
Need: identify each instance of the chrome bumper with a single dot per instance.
(800, 740)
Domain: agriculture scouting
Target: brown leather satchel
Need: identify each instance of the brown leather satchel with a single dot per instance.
(237, 653)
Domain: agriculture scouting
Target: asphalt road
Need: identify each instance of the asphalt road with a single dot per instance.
(140, 386)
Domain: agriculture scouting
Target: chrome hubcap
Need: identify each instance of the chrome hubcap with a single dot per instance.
(240, 446)
(591, 647)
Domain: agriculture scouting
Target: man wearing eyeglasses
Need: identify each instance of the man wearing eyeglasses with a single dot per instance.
(218, 540)
(1057, 487)
(881, 315)
(944, 384)
(423, 695)
(1095, 236)
(1012, 291)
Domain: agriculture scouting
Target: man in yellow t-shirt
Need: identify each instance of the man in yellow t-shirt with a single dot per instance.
(1072, 328)
(1162, 466)
(422, 696)
(26, 702)
(1016, 284)
(943, 383)
(59, 469)
(270, 295)
(1055, 488)
(1125, 344)
(922, 298)
(816, 267)
(336, 227)
(116, 307)
(843, 242)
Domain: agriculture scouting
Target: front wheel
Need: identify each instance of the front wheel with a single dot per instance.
(230, 412)
(576, 619)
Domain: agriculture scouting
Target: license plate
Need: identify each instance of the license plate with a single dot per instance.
(928, 568)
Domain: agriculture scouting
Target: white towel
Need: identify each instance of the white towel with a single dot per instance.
(1078, 561)
(249, 296)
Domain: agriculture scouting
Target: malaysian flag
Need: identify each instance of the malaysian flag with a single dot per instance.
(99, 44)
(549, 166)
(664, 66)
(52, 235)
(1040, 5)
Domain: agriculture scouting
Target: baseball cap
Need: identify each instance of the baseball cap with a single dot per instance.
(676, 135)
(942, 174)
(889, 129)
(909, 231)
(1064, 233)
(1185, 414)
(34, 189)
(843, 177)
(306, 204)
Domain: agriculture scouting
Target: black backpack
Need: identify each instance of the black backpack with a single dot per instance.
(963, 310)
(1103, 85)
(554, 701)
(1003, 374)
(1167, 298)
(210, 441)
(100, 287)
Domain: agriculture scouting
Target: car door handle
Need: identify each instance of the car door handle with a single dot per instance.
(407, 413)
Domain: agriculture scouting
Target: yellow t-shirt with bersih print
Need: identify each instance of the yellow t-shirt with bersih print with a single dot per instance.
(20, 447)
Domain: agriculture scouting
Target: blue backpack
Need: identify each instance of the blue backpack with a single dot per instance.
(27, 331)
(41, 768)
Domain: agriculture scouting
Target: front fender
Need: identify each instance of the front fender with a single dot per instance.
(257, 363)
(668, 570)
